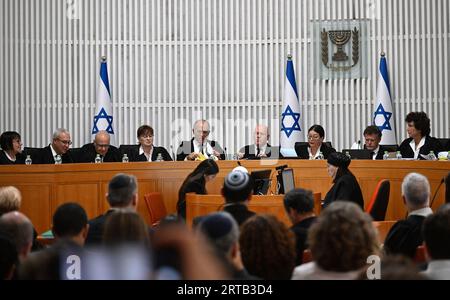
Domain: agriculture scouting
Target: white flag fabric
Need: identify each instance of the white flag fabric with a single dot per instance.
(291, 131)
(383, 116)
(103, 118)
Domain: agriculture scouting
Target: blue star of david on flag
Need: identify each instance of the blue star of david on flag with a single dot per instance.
(387, 117)
(295, 126)
(103, 115)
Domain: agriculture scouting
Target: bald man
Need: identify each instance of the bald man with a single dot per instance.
(100, 145)
(261, 148)
(19, 228)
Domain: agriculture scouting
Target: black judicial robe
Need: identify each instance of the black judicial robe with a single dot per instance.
(405, 236)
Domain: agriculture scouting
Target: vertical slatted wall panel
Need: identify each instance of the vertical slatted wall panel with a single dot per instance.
(172, 61)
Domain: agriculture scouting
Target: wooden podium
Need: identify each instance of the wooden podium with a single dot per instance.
(200, 205)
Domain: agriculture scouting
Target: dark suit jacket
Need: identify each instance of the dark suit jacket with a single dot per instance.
(380, 151)
(302, 151)
(134, 154)
(239, 212)
(300, 230)
(88, 154)
(45, 156)
(187, 147)
(405, 236)
(431, 144)
(345, 188)
(96, 226)
(196, 185)
(249, 152)
(4, 160)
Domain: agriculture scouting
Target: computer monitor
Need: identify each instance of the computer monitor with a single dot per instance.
(358, 153)
(261, 181)
(288, 180)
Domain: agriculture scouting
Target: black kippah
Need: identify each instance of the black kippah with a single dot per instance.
(216, 226)
(236, 181)
(339, 159)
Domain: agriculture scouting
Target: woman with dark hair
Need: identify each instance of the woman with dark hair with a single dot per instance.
(145, 150)
(345, 186)
(11, 145)
(196, 183)
(315, 145)
(420, 143)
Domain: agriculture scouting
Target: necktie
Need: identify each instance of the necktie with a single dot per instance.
(257, 151)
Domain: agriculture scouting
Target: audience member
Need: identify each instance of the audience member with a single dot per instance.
(10, 199)
(8, 257)
(406, 235)
(124, 227)
(19, 228)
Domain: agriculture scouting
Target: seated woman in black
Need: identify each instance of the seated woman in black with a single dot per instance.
(315, 146)
(345, 186)
(11, 145)
(420, 143)
(146, 151)
(196, 183)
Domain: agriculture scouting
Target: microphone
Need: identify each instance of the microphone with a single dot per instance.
(437, 190)
(359, 144)
(225, 152)
(239, 163)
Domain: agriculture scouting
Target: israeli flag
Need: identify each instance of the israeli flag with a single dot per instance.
(103, 118)
(291, 131)
(383, 116)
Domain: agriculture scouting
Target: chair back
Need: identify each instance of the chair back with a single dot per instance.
(420, 257)
(307, 256)
(156, 207)
(380, 199)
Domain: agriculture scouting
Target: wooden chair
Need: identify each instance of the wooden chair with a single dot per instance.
(156, 207)
(420, 257)
(380, 200)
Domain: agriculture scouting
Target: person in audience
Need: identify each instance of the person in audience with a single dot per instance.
(436, 233)
(8, 257)
(199, 146)
(372, 138)
(125, 226)
(146, 151)
(70, 229)
(11, 145)
(406, 235)
(261, 148)
(19, 228)
(299, 206)
(315, 146)
(10, 199)
(195, 182)
(267, 247)
(345, 186)
(237, 190)
(60, 146)
(122, 194)
(222, 231)
(420, 143)
(100, 146)
(340, 241)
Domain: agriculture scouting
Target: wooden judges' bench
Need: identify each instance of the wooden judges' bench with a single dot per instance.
(44, 187)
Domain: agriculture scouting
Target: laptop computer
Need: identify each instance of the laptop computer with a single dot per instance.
(358, 153)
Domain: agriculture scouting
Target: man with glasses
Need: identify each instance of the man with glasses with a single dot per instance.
(100, 146)
(59, 147)
(199, 146)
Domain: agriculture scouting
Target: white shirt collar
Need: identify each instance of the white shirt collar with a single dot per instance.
(141, 151)
(53, 151)
(9, 157)
(317, 153)
(375, 152)
(262, 149)
(424, 212)
(412, 144)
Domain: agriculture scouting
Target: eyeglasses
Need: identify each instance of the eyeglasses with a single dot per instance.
(65, 142)
(102, 145)
(315, 137)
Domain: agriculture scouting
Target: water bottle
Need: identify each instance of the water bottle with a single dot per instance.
(398, 155)
(385, 155)
(28, 160)
(348, 154)
(320, 156)
(125, 158)
(432, 156)
(159, 157)
(98, 159)
(58, 160)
